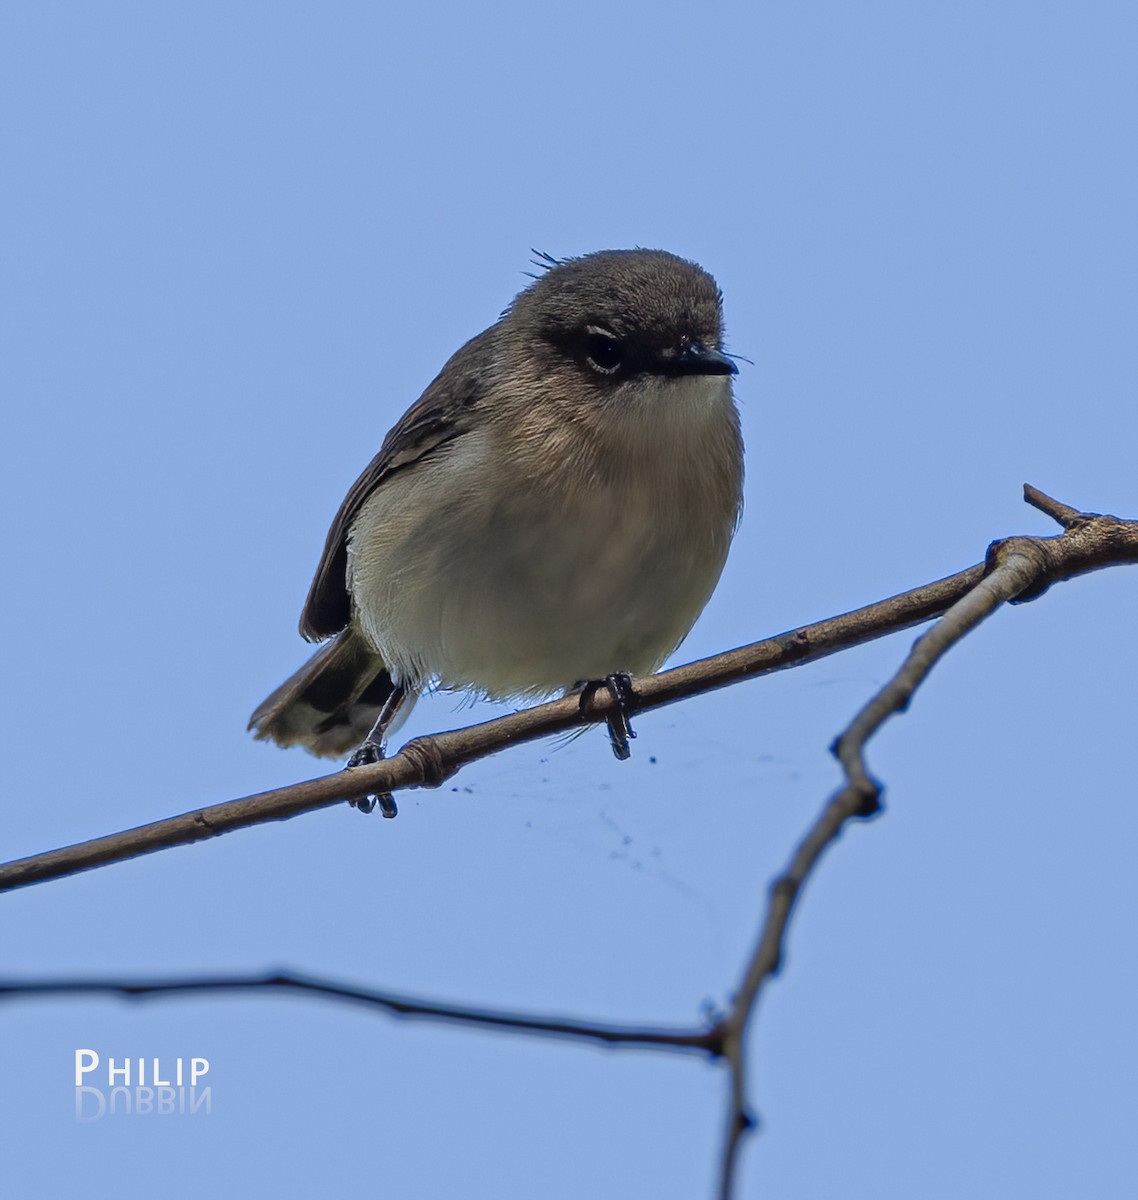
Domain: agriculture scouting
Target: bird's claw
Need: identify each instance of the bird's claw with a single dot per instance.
(371, 752)
(619, 686)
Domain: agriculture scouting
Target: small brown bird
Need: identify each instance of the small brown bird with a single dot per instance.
(556, 508)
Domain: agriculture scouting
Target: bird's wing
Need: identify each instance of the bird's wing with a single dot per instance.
(442, 413)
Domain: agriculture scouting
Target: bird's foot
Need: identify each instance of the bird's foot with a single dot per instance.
(366, 753)
(619, 686)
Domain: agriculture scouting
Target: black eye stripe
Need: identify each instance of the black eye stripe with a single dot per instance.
(599, 351)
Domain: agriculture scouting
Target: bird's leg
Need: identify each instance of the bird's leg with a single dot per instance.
(370, 750)
(620, 727)
(619, 686)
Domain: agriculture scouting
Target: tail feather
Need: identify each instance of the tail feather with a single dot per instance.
(331, 703)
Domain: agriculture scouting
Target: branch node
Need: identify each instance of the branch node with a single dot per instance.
(428, 760)
(717, 1039)
(746, 1120)
(795, 646)
(1035, 549)
(865, 799)
(785, 888)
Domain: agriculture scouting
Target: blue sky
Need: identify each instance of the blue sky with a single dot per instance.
(238, 240)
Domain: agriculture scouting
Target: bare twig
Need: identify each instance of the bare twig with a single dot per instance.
(1019, 568)
(429, 761)
(703, 1041)
(1064, 514)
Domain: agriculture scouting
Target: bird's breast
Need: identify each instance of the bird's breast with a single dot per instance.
(532, 555)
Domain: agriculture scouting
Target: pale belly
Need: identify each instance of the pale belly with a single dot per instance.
(529, 589)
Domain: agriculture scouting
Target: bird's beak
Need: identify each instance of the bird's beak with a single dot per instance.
(696, 359)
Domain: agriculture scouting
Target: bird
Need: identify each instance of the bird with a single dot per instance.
(550, 516)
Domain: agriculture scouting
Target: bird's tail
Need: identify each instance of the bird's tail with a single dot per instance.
(331, 703)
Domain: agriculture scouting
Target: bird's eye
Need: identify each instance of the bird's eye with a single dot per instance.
(603, 352)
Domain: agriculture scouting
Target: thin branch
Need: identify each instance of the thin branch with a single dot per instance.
(1020, 568)
(705, 1041)
(430, 761)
